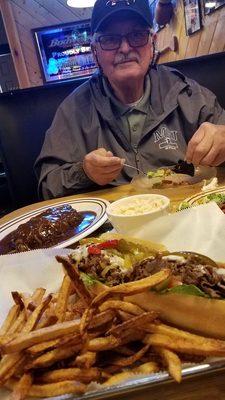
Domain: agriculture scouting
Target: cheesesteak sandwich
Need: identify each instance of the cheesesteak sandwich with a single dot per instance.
(190, 297)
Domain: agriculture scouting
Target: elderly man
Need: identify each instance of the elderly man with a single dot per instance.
(130, 110)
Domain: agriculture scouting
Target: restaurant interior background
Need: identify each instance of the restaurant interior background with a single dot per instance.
(21, 16)
(195, 28)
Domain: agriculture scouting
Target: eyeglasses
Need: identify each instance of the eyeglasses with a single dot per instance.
(114, 41)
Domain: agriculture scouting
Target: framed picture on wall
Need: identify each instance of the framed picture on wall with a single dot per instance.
(192, 16)
(210, 6)
(64, 51)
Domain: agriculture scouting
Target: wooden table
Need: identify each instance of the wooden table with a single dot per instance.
(176, 195)
(206, 387)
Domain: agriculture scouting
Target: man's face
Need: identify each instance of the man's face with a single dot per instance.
(127, 62)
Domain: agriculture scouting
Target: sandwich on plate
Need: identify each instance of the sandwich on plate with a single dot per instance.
(189, 291)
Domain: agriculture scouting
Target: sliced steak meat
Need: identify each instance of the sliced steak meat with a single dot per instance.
(189, 272)
(98, 266)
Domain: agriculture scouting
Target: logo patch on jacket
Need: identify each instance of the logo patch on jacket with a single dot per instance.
(166, 139)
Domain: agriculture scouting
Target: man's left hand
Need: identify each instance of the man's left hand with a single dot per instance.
(207, 145)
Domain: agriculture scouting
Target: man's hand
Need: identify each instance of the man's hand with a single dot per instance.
(101, 166)
(207, 146)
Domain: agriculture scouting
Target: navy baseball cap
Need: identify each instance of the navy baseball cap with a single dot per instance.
(103, 9)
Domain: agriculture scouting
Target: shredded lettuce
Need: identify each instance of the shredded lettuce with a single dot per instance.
(184, 205)
(87, 279)
(159, 173)
(186, 289)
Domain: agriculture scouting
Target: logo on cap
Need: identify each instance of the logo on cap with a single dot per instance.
(115, 2)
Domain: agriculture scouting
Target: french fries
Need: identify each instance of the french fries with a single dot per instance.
(209, 347)
(22, 388)
(71, 374)
(26, 340)
(172, 362)
(75, 278)
(85, 360)
(57, 344)
(136, 322)
(63, 297)
(10, 319)
(135, 287)
(144, 369)
(121, 305)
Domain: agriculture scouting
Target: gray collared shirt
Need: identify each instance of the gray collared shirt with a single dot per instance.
(131, 116)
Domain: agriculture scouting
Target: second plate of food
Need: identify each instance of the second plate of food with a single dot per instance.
(217, 195)
(58, 225)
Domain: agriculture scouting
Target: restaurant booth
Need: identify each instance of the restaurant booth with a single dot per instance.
(26, 114)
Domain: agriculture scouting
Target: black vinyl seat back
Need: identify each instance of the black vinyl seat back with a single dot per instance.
(208, 71)
(26, 114)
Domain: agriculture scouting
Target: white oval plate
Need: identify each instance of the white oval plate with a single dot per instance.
(98, 206)
(194, 200)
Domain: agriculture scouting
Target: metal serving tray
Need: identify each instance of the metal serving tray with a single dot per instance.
(147, 382)
(143, 383)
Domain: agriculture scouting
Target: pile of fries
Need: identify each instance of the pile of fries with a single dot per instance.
(60, 343)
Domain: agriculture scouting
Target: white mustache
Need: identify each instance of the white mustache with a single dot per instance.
(121, 58)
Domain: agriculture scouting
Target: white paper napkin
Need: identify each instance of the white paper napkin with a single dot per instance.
(28, 271)
(200, 229)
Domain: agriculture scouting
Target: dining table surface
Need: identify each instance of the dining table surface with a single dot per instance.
(176, 194)
(207, 386)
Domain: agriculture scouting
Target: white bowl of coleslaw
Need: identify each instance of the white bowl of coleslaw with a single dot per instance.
(129, 214)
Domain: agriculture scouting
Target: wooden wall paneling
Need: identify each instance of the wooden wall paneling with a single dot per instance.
(209, 22)
(174, 29)
(179, 20)
(192, 46)
(170, 54)
(164, 36)
(30, 56)
(183, 40)
(58, 9)
(14, 43)
(218, 40)
(26, 37)
(29, 14)
(29, 11)
(25, 22)
(25, 19)
(160, 41)
(32, 63)
(35, 76)
(210, 39)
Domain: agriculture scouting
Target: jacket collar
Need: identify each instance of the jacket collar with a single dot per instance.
(120, 109)
(166, 85)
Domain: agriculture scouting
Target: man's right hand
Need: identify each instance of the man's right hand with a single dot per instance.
(102, 167)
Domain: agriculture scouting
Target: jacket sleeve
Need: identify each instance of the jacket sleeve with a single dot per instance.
(59, 165)
(212, 111)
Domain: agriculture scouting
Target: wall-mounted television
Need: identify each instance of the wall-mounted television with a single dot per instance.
(64, 51)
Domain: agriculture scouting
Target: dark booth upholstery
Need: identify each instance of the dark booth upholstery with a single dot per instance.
(26, 114)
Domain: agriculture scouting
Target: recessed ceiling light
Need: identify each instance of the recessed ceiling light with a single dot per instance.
(81, 3)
